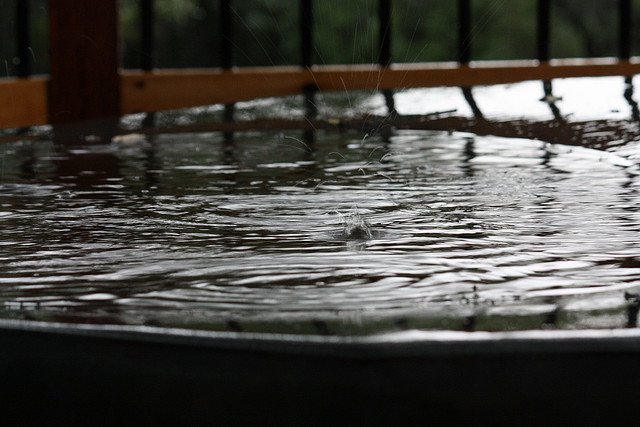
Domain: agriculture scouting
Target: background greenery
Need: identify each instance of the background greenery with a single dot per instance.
(345, 31)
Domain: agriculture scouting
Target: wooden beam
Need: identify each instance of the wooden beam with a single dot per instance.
(85, 58)
(174, 89)
(23, 101)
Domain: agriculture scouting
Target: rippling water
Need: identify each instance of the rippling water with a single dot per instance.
(467, 232)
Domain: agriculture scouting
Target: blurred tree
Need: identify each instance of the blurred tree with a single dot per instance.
(7, 39)
(345, 31)
(267, 32)
(39, 48)
(591, 24)
(503, 29)
(424, 31)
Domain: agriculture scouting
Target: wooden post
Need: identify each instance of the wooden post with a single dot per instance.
(85, 58)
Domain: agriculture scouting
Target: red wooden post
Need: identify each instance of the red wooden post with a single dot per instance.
(85, 58)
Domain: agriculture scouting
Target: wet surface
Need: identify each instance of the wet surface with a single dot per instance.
(350, 234)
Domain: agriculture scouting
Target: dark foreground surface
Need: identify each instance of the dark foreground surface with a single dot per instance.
(54, 374)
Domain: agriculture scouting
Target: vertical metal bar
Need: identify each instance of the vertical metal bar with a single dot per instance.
(306, 33)
(464, 57)
(464, 31)
(148, 46)
(471, 101)
(226, 28)
(543, 47)
(384, 16)
(147, 18)
(624, 53)
(306, 61)
(543, 29)
(628, 96)
(384, 53)
(226, 56)
(624, 35)
(23, 29)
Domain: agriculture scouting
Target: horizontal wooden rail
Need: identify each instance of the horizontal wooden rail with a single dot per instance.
(26, 99)
(23, 102)
(171, 89)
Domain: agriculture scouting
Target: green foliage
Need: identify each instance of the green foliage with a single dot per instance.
(266, 32)
(187, 33)
(504, 29)
(424, 31)
(346, 31)
(39, 44)
(585, 28)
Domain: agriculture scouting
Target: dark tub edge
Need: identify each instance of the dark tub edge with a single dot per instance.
(397, 344)
(125, 375)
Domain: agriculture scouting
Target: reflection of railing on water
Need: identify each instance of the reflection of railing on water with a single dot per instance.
(38, 100)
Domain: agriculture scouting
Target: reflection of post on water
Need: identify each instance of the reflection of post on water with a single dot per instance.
(628, 96)
(85, 168)
(468, 96)
(88, 153)
(550, 99)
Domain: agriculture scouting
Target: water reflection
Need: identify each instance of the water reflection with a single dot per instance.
(468, 96)
(28, 164)
(628, 96)
(469, 155)
(551, 100)
(310, 112)
(390, 102)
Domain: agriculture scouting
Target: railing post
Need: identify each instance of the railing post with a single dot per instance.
(85, 59)
(543, 29)
(624, 53)
(226, 29)
(306, 61)
(384, 54)
(148, 39)
(464, 51)
(148, 46)
(23, 28)
(544, 42)
(226, 56)
(464, 31)
(624, 34)
(306, 33)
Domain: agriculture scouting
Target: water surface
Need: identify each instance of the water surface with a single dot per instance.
(467, 232)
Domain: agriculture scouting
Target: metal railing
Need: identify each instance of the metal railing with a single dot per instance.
(152, 89)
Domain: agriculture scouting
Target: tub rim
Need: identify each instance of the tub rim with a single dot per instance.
(410, 343)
